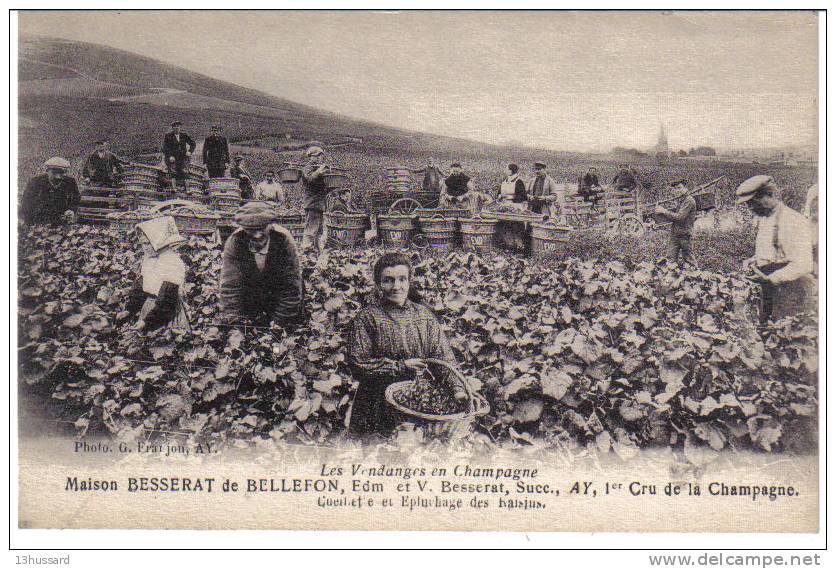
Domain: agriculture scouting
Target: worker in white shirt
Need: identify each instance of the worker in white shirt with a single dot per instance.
(783, 260)
(270, 189)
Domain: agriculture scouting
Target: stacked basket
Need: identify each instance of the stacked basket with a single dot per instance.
(143, 183)
(98, 202)
(194, 220)
(196, 177)
(224, 195)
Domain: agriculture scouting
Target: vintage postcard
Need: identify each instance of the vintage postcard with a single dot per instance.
(418, 270)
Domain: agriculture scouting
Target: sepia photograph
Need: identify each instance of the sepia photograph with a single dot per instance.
(496, 270)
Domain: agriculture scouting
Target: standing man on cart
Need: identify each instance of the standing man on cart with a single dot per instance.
(177, 152)
(216, 153)
(432, 176)
(679, 248)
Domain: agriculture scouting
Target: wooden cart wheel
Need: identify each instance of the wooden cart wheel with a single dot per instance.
(404, 206)
(420, 241)
(630, 224)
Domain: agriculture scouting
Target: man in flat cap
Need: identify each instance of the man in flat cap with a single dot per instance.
(315, 195)
(542, 190)
(103, 167)
(783, 260)
(245, 179)
(455, 186)
(177, 151)
(270, 190)
(261, 279)
(50, 198)
(216, 153)
(683, 216)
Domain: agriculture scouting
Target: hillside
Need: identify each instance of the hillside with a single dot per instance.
(71, 93)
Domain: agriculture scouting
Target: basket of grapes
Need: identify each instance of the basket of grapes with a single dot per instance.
(440, 396)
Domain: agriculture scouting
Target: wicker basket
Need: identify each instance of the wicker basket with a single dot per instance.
(125, 221)
(477, 405)
(290, 175)
(223, 185)
(191, 219)
(335, 181)
(477, 234)
(706, 201)
(225, 200)
(438, 230)
(345, 229)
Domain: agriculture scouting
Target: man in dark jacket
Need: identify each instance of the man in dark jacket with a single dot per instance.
(216, 153)
(50, 198)
(455, 186)
(177, 151)
(432, 177)
(589, 187)
(624, 179)
(683, 223)
(103, 167)
(261, 279)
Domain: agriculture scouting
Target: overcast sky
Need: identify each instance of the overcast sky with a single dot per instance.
(562, 80)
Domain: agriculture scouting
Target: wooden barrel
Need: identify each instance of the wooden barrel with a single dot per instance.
(395, 230)
(438, 230)
(345, 229)
(477, 234)
(549, 239)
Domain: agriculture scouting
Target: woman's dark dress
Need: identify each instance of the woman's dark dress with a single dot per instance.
(382, 336)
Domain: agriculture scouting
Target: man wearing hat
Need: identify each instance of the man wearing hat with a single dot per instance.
(315, 194)
(455, 186)
(261, 279)
(103, 167)
(783, 260)
(50, 198)
(683, 223)
(270, 189)
(216, 153)
(589, 187)
(542, 191)
(433, 175)
(239, 171)
(624, 179)
(177, 150)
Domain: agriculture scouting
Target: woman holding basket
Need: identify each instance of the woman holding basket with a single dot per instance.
(390, 340)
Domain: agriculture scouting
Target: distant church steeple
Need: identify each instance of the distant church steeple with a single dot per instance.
(662, 143)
